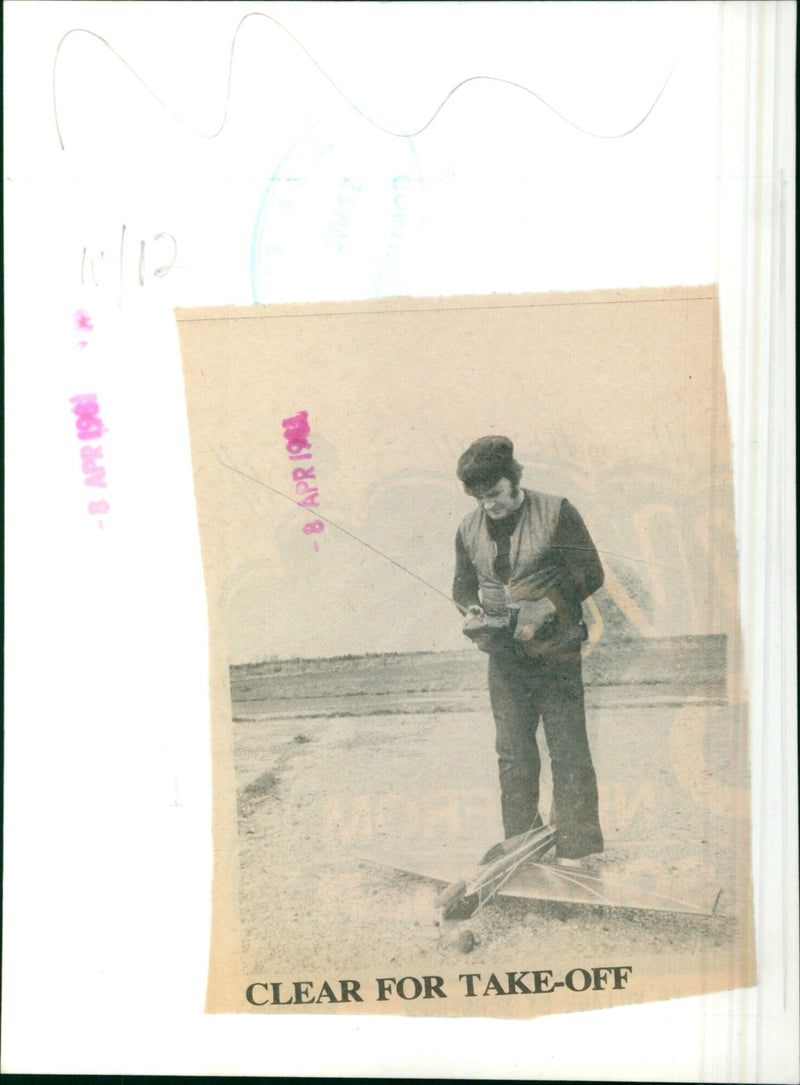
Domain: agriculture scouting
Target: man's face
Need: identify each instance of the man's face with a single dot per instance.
(499, 500)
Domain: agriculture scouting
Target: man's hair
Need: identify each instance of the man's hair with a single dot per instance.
(486, 461)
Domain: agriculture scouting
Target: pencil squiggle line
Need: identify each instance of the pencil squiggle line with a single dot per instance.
(336, 87)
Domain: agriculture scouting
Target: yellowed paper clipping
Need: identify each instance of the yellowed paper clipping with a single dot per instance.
(362, 742)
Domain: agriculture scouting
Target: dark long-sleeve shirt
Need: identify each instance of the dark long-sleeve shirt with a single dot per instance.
(571, 540)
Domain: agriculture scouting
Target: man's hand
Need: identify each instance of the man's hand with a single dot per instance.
(533, 614)
(474, 618)
(490, 635)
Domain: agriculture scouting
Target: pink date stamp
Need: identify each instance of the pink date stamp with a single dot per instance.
(90, 428)
(296, 431)
(83, 327)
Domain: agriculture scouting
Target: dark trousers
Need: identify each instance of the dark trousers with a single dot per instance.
(522, 690)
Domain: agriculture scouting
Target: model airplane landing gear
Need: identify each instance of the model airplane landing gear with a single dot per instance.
(466, 941)
(451, 908)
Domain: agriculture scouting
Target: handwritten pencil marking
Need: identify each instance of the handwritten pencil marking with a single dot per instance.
(362, 113)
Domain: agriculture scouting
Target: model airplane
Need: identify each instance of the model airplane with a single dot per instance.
(513, 869)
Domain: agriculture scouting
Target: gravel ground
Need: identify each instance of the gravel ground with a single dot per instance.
(317, 793)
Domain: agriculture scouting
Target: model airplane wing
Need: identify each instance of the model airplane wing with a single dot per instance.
(543, 881)
(518, 873)
(445, 866)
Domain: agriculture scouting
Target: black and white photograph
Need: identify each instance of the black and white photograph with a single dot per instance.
(480, 632)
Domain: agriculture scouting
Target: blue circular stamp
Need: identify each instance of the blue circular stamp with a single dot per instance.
(341, 216)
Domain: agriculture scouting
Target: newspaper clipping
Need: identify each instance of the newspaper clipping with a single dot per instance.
(479, 727)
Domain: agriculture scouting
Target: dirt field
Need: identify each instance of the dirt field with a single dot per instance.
(404, 767)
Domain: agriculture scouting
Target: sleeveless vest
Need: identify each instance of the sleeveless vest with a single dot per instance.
(535, 564)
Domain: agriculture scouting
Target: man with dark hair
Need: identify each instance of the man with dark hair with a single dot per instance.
(524, 564)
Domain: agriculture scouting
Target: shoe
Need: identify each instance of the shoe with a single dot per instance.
(497, 851)
(571, 864)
